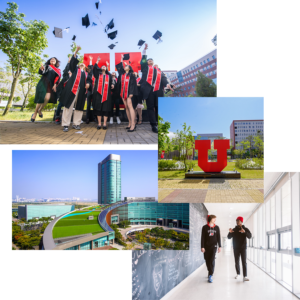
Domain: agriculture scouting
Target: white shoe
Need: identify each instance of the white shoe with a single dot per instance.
(118, 120)
(111, 120)
(246, 279)
(237, 276)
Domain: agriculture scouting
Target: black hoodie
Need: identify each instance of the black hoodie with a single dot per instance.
(210, 237)
(239, 238)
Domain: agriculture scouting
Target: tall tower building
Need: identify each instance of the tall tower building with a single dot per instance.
(109, 179)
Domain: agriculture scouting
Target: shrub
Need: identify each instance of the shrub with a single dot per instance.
(191, 164)
(250, 164)
(165, 164)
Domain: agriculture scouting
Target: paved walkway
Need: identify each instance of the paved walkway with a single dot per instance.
(50, 133)
(210, 190)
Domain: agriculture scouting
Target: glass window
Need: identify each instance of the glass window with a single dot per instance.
(286, 205)
(286, 240)
(213, 57)
(272, 213)
(287, 269)
(272, 241)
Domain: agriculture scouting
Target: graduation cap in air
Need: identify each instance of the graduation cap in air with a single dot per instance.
(112, 35)
(97, 4)
(74, 38)
(58, 32)
(126, 56)
(157, 36)
(94, 24)
(112, 46)
(86, 21)
(141, 43)
(110, 25)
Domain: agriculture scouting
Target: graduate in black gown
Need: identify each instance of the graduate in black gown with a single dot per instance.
(66, 75)
(102, 93)
(74, 93)
(128, 89)
(138, 100)
(153, 80)
(46, 87)
(89, 98)
(115, 97)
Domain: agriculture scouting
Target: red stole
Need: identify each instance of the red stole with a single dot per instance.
(124, 85)
(138, 79)
(150, 75)
(103, 90)
(157, 80)
(57, 71)
(76, 82)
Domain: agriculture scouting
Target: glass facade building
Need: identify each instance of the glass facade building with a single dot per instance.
(154, 213)
(109, 180)
(43, 210)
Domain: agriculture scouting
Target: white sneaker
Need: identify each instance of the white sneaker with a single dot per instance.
(118, 120)
(237, 276)
(111, 120)
(246, 279)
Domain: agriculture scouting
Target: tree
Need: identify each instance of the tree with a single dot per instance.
(158, 243)
(205, 87)
(163, 130)
(5, 83)
(23, 43)
(249, 138)
(259, 144)
(175, 93)
(184, 143)
(244, 145)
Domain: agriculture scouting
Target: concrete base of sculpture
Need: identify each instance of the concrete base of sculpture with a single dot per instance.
(225, 175)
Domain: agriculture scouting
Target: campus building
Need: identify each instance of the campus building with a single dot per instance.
(206, 136)
(147, 212)
(32, 211)
(241, 129)
(186, 78)
(109, 180)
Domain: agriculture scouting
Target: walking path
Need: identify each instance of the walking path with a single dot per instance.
(210, 190)
(50, 133)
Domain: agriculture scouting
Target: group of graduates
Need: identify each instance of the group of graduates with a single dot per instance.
(101, 89)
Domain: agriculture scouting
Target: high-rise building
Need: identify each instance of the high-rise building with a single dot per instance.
(240, 130)
(186, 78)
(109, 179)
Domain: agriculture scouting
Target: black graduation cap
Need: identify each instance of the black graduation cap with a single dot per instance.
(110, 25)
(86, 21)
(74, 38)
(126, 56)
(112, 35)
(97, 4)
(58, 32)
(157, 35)
(141, 43)
(112, 46)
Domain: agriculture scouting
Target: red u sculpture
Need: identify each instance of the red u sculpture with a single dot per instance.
(203, 146)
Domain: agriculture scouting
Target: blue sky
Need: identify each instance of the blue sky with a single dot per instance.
(67, 174)
(209, 115)
(187, 27)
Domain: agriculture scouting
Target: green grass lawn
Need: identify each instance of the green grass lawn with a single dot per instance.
(76, 225)
(245, 174)
(59, 232)
(25, 116)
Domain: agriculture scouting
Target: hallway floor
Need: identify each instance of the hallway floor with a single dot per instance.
(260, 287)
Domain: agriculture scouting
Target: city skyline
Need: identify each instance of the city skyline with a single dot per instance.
(56, 179)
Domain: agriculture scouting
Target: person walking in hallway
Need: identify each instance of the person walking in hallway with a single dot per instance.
(239, 237)
(210, 239)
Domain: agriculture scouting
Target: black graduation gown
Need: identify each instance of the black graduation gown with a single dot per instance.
(98, 106)
(67, 97)
(132, 88)
(46, 83)
(64, 79)
(140, 95)
(146, 88)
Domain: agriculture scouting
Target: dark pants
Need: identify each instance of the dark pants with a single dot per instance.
(88, 106)
(151, 108)
(116, 102)
(210, 257)
(243, 254)
(58, 110)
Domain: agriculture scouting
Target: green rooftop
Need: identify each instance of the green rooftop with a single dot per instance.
(78, 224)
